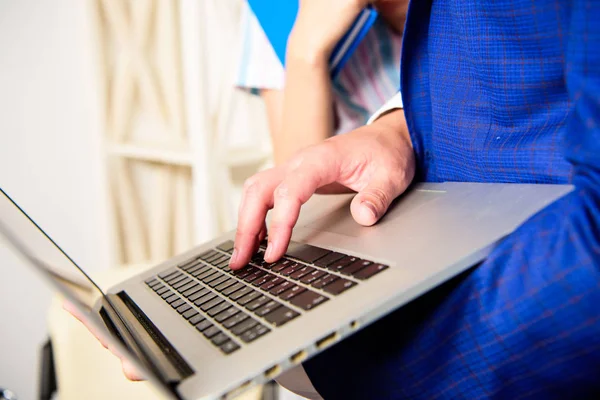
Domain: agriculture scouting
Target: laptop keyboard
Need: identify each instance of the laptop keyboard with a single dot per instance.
(234, 307)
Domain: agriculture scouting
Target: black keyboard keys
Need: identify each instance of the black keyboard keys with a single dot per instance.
(256, 303)
(226, 246)
(313, 276)
(267, 308)
(324, 281)
(254, 333)
(305, 252)
(355, 267)
(305, 270)
(236, 319)
(340, 264)
(229, 347)
(329, 259)
(371, 270)
(244, 326)
(219, 339)
(281, 316)
(339, 286)
(219, 308)
(291, 293)
(228, 313)
(308, 300)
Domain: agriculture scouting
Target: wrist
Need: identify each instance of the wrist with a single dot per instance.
(302, 50)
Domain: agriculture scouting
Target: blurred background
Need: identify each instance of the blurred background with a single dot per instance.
(122, 135)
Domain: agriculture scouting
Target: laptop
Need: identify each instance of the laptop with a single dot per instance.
(198, 330)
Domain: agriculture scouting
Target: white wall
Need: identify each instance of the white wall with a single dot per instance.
(50, 162)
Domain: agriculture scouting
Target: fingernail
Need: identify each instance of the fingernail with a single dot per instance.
(371, 207)
(269, 251)
(234, 256)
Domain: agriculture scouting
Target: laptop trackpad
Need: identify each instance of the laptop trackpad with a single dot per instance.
(340, 221)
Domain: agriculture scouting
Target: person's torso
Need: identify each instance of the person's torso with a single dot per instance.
(370, 77)
(484, 90)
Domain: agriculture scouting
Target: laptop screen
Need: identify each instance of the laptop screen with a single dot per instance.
(31, 242)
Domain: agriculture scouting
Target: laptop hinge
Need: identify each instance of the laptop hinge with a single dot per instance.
(142, 338)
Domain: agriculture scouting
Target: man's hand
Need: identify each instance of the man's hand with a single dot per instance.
(377, 161)
(128, 369)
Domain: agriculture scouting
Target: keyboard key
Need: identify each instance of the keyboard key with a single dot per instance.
(308, 300)
(200, 272)
(291, 269)
(224, 285)
(236, 319)
(152, 282)
(177, 279)
(182, 283)
(254, 333)
(241, 293)
(272, 283)
(203, 325)
(244, 272)
(339, 286)
(281, 265)
(329, 259)
(258, 257)
(165, 274)
(189, 264)
(254, 276)
(256, 303)
(305, 252)
(189, 313)
(211, 278)
(197, 295)
(167, 294)
(229, 347)
(219, 308)
(355, 267)
(290, 293)
(210, 332)
(228, 313)
(324, 281)
(185, 287)
(219, 339)
(263, 279)
(162, 290)
(194, 289)
(244, 326)
(183, 308)
(281, 316)
(204, 299)
(232, 289)
(338, 265)
(208, 254)
(173, 297)
(277, 290)
(219, 260)
(248, 298)
(210, 304)
(305, 270)
(211, 259)
(209, 271)
(196, 319)
(177, 303)
(218, 281)
(227, 269)
(371, 270)
(223, 263)
(226, 246)
(267, 308)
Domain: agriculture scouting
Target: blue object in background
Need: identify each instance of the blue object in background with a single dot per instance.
(277, 17)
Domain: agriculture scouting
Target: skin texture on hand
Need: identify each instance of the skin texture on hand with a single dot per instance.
(376, 161)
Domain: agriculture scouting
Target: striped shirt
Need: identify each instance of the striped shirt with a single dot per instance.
(370, 77)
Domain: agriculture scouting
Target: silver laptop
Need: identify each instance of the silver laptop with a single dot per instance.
(197, 329)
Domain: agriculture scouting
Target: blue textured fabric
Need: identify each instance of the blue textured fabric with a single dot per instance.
(497, 91)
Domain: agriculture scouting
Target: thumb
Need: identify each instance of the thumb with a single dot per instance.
(371, 203)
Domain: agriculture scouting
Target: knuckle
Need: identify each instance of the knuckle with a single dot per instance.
(252, 185)
(282, 191)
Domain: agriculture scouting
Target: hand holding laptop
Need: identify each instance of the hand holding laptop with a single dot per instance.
(377, 161)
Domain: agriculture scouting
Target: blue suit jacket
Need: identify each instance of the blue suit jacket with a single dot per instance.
(497, 91)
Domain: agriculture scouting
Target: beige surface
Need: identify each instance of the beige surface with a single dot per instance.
(84, 368)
